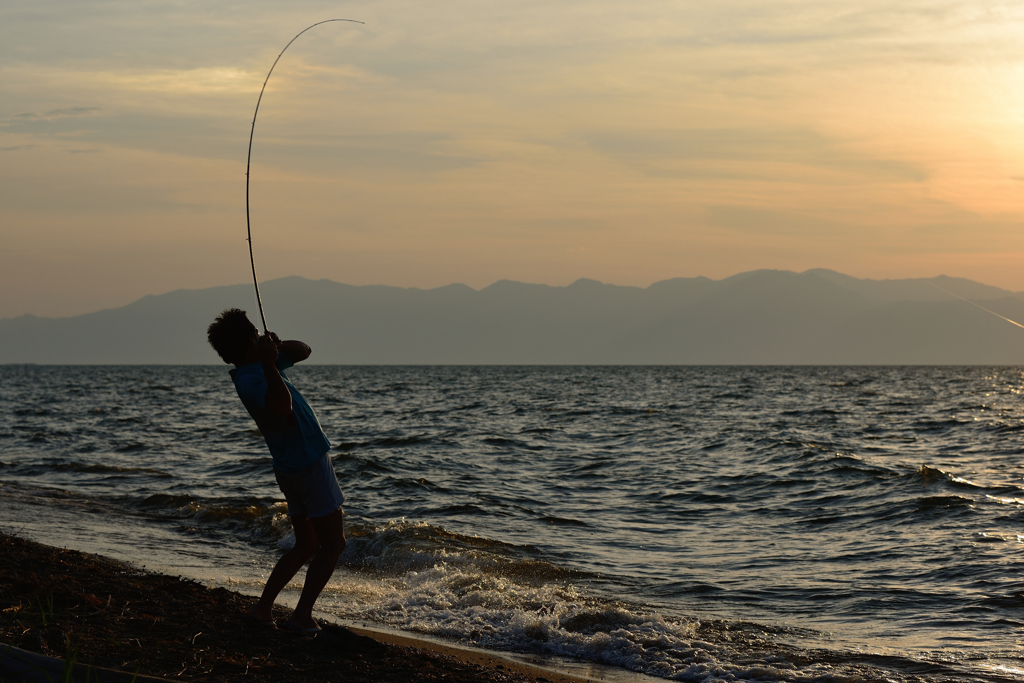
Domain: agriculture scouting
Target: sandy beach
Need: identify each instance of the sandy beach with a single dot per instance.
(109, 614)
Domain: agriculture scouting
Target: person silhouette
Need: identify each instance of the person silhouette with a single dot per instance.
(301, 460)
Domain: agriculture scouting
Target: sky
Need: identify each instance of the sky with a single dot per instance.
(477, 141)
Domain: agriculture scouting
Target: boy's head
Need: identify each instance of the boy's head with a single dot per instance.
(232, 335)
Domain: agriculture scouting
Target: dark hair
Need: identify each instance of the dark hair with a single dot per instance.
(229, 334)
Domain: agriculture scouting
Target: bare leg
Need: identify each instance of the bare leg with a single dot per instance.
(330, 529)
(306, 546)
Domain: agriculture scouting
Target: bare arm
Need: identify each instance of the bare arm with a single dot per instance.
(279, 399)
(296, 350)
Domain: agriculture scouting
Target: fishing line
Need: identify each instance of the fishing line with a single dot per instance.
(248, 160)
(1012, 322)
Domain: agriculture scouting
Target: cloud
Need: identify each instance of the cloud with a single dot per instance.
(740, 152)
(410, 152)
(187, 81)
(173, 132)
(101, 195)
(774, 222)
(55, 114)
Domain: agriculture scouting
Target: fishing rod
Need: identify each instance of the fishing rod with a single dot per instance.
(1012, 322)
(248, 227)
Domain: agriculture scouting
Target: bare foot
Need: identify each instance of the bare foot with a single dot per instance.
(304, 624)
(258, 618)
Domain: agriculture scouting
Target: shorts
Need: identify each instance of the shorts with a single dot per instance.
(314, 491)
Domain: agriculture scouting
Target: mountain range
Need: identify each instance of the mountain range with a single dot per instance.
(770, 317)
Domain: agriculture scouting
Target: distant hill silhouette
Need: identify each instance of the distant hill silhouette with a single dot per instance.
(760, 317)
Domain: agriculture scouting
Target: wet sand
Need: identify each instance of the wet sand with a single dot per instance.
(56, 602)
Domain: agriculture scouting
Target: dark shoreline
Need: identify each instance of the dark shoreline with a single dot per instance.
(55, 602)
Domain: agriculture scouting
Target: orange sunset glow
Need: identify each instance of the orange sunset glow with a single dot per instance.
(479, 141)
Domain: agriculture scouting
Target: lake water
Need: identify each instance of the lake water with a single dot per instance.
(695, 523)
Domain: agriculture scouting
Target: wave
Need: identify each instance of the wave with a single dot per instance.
(398, 547)
(256, 519)
(104, 469)
(512, 444)
(930, 502)
(562, 521)
(932, 475)
(32, 412)
(253, 519)
(422, 578)
(91, 468)
(391, 442)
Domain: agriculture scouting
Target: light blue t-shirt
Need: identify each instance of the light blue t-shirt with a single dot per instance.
(295, 441)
